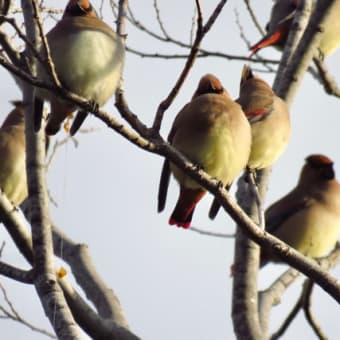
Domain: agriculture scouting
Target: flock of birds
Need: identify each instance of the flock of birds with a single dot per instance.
(220, 135)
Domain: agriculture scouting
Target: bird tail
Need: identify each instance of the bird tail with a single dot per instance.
(268, 40)
(183, 212)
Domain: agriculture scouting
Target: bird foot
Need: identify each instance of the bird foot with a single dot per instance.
(94, 106)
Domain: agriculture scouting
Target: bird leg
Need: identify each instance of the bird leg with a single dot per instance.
(94, 106)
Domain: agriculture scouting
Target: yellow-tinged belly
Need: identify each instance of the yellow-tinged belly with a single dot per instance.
(88, 63)
(316, 236)
(216, 152)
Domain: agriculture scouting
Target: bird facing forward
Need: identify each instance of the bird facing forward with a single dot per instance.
(88, 57)
(213, 133)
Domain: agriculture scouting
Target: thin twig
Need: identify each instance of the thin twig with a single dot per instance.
(46, 49)
(211, 233)
(248, 44)
(253, 18)
(2, 247)
(200, 33)
(307, 308)
(202, 53)
(327, 80)
(291, 316)
(158, 17)
(14, 315)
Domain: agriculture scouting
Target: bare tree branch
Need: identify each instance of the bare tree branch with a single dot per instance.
(14, 315)
(210, 233)
(307, 307)
(45, 280)
(327, 80)
(253, 18)
(17, 274)
(200, 33)
(299, 25)
(272, 296)
(78, 257)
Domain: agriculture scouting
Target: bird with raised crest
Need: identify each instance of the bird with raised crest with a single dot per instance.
(213, 133)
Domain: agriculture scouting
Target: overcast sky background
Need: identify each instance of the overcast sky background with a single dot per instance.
(172, 283)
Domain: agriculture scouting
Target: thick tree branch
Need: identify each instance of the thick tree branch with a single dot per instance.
(17, 274)
(96, 326)
(298, 27)
(272, 296)
(245, 317)
(305, 51)
(78, 257)
(45, 280)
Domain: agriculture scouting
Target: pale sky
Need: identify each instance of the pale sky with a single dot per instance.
(172, 283)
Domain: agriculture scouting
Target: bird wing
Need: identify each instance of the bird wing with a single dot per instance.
(285, 208)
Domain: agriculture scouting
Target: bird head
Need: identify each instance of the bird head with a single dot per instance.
(209, 84)
(16, 116)
(247, 74)
(249, 81)
(317, 168)
(77, 8)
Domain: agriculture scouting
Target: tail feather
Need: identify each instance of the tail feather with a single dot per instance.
(268, 40)
(78, 121)
(183, 212)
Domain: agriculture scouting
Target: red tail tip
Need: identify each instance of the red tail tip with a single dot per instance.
(185, 225)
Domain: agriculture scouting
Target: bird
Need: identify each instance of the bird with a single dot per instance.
(13, 180)
(308, 217)
(213, 133)
(280, 22)
(88, 57)
(269, 119)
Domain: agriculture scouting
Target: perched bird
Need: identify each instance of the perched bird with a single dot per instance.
(280, 22)
(308, 217)
(212, 132)
(13, 155)
(268, 116)
(88, 56)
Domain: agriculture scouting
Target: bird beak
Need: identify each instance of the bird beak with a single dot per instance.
(329, 172)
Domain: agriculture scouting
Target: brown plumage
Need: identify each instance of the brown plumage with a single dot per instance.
(13, 155)
(308, 217)
(268, 116)
(212, 132)
(88, 56)
(280, 22)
